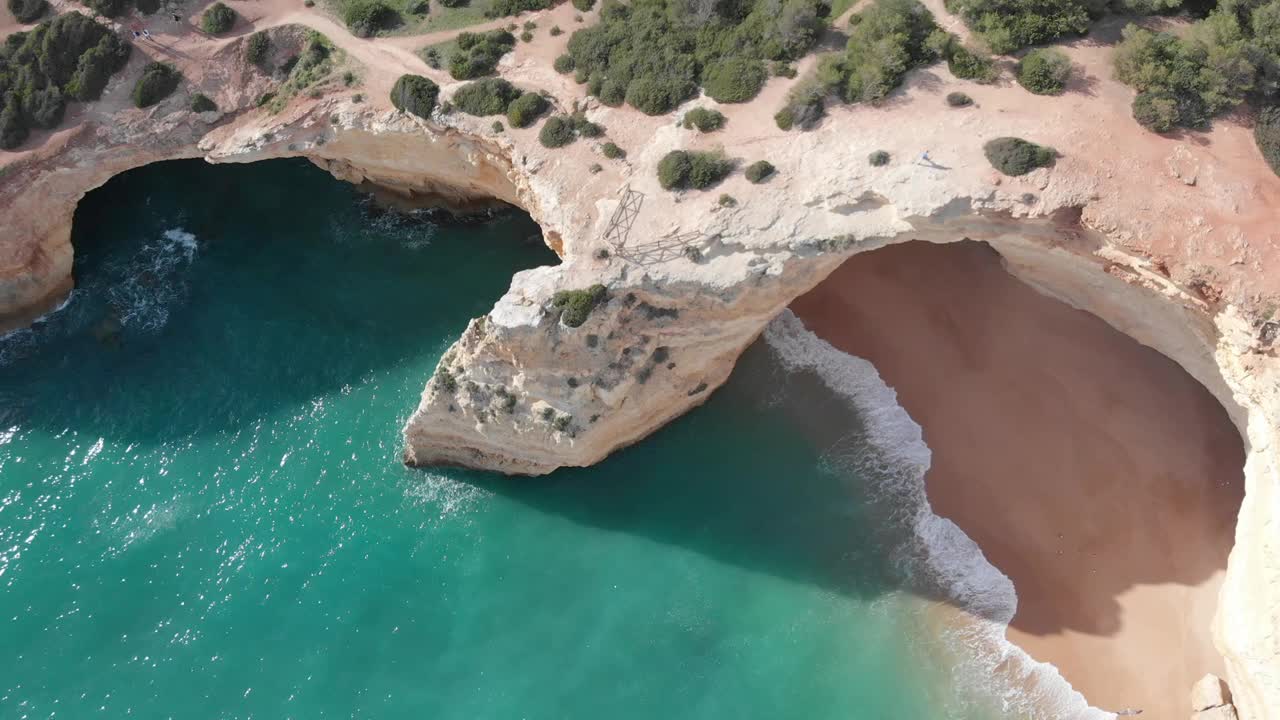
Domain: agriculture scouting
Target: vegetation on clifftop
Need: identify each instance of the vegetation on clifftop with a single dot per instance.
(158, 81)
(27, 11)
(415, 94)
(576, 305)
(1015, 156)
(683, 169)
(70, 57)
(655, 54)
(218, 19)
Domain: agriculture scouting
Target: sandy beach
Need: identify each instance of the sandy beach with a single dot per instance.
(1093, 471)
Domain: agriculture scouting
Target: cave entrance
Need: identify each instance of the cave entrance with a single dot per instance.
(1092, 470)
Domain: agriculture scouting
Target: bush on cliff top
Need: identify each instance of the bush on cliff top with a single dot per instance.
(477, 54)
(369, 17)
(654, 54)
(1044, 71)
(218, 19)
(27, 11)
(489, 96)
(158, 81)
(759, 171)
(526, 109)
(415, 94)
(1267, 134)
(683, 169)
(1015, 156)
(703, 119)
(70, 57)
(576, 305)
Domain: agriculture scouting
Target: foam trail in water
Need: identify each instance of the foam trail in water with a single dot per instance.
(1026, 688)
(152, 280)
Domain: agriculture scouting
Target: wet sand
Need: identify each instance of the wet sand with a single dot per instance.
(1093, 471)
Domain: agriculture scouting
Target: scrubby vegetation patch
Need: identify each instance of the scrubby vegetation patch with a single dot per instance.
(576, 305)
(1015, 156)
(703, 119)
(158, 81)
(655, 54)
(70, 57)
(218, 19)
(1044, 71)
(415, 94)
(684, 169)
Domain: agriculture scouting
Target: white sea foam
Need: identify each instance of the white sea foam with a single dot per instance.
(152, 280)
(447, 495)
(897, 460)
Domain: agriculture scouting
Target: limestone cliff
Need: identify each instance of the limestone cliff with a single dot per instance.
(1170, 241)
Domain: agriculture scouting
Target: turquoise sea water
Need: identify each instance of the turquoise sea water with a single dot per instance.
(203, 513)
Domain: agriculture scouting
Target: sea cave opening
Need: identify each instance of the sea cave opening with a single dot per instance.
(1093, 471)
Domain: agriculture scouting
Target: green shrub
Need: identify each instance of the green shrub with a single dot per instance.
(1015, 156)
(201, 103)
(968, 64)
(218, 19)
(500, 8)
(563, 64)
(1184, 82)
(734, 80)
(1267, 134)
(556, 31)
(1007, 25)
(147, 6)
(585, 127)
(886, 40)
(612, 151)
(489, 96)
(557, 132)
(13, 131)
(584, 5)
(108, 8)
(418, 7)
(415, 94)
(454, 3)
(158, 81)
(654, 95)
(69, 57)
(759, 171)
(681, 169)
(727, 201)
(959, 99)
(703, 119)
(783, 69)
(28, 11)
(258, 48)
(655, 54)
(368, 17)
(497, 126)
(1157, 111)
(526, 36)
(1044, 71)
(576, 305)
(477, 54)
(805, 106)
(526, 109)
(879, 158)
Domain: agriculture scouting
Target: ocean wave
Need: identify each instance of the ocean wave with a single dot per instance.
(894, 455)
(151, 281)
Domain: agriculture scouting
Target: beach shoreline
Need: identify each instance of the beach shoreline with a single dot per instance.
(1090, 470)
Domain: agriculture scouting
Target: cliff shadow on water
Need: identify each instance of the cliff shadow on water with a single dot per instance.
(248, 270)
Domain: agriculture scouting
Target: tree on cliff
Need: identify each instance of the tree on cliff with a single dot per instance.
(415, 94)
